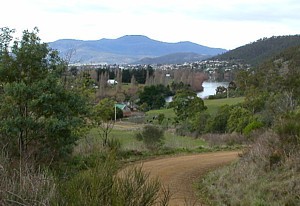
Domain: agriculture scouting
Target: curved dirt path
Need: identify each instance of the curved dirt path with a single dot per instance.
(181, 172)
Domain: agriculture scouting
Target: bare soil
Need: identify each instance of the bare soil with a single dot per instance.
(181, 172)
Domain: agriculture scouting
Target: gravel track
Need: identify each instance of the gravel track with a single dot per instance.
(181, 172)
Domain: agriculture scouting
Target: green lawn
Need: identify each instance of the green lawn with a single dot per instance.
(169, 113)
(214, 104)
(212, 107)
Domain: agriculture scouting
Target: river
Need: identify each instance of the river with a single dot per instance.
(209, 88)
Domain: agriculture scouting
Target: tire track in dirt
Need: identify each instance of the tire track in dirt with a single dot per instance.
(181, 172)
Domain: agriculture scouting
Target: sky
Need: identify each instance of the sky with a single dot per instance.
(215, 23)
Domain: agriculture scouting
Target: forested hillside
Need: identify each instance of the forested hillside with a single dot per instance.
(268, 171)
(259, 51)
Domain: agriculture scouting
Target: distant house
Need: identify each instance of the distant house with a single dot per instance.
(112, 82)
(125, 109)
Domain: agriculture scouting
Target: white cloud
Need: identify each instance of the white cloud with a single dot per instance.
(217, 23)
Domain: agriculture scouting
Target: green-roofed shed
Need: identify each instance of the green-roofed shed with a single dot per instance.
(125, 109)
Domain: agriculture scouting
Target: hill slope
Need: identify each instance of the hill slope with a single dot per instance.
(259, 51)
(176, 58)
(125, 49)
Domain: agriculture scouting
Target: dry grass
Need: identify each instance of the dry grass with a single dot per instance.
(263, 176)
(24, 185)
(224, 139)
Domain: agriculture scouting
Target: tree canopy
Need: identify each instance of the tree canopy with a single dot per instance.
(40, 118)
(154, 96)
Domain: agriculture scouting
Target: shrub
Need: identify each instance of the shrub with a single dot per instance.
(289, 129)
(160, 118)
(103, 185)
(252, 126)
(152, 137)
(134, 187)
(239, 118)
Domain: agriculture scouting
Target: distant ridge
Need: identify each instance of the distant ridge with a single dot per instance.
(260, 50)
(176, 58)
(126, 49)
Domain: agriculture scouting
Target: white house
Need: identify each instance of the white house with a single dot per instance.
(112, 82)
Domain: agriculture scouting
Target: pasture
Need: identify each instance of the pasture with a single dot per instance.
(212, 107)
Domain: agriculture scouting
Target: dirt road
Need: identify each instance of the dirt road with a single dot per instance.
(179, 173)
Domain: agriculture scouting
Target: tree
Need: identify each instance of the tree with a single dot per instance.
(199, 121)
(104, 117)
(189, 110)
(186, 104)
(154, 96)
(218, 123)
(40, 119)
(221, 90)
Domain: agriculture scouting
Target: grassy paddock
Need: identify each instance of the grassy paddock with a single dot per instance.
(169, 113)
(212, 107)
(128, 141)
(214, 104)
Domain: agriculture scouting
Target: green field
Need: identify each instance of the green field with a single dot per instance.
(214, 104)
(212, 107)
(128, 141)
(169, 113)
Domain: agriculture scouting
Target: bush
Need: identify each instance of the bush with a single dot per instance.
(239, 118)
(89, 187)
(103, 185)
(152, 137)
(252, 126)
(289, 133)
(160, 118)
(134, 187)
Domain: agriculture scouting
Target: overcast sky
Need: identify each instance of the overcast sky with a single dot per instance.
(215, 23)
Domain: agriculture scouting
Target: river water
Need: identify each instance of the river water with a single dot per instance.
(209, 88)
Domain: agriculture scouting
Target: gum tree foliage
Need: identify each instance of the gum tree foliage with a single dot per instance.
(154, 96)
(39, 117)
(190, 112)
(186, 104)
(218, 123)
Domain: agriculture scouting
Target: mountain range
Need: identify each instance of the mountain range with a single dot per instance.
(131, 49)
